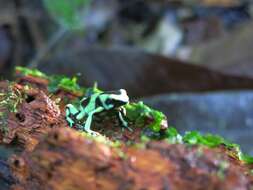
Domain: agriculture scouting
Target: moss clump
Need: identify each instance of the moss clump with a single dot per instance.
(173, 136)
(32, 72)
(139, 113)
(209, 140)
(56, 82)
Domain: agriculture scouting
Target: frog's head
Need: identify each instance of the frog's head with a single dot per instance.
(119, 97)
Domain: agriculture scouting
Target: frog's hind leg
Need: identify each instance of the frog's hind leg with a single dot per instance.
(89, 121)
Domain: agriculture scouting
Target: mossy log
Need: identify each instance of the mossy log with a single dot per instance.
(52, 156)
(67, 160)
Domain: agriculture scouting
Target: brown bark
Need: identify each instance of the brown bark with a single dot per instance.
(36, 115)
(67, 160)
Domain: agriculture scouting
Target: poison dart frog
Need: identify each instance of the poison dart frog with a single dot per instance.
(82, 116)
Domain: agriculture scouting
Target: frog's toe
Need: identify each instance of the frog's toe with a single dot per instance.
(70, 122)
(93, 133)
(130, 129)
(125, 125)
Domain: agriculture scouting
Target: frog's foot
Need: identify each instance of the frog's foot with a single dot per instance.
(92, 133)
(70, 122)
(128, 128)
(123, 122)
(125, 125)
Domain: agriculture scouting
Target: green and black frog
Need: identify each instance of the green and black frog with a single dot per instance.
(81, 116)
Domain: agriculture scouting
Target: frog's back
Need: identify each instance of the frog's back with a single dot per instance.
(90, 103)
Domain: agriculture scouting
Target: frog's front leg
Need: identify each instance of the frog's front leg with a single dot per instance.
(71, 111)
(122, 114)
(82, 113)
(89, 121)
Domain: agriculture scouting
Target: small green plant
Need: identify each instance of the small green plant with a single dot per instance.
(68, 13)
(9, 101)
(56, 82)
(244, 157)
(173, 136)
(32, 72)
(139, 113)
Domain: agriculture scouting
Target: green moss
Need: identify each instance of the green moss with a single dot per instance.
(158, 118)
(32, 72)
(139, 113)
(9, 100)
(209, 140)
(244, 157)
(68, 14)
(56, 82)
(173, 136)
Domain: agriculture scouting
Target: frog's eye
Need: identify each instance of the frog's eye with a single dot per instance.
(109, 101)
(114, 92)
(115, 103)
(122, 97)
